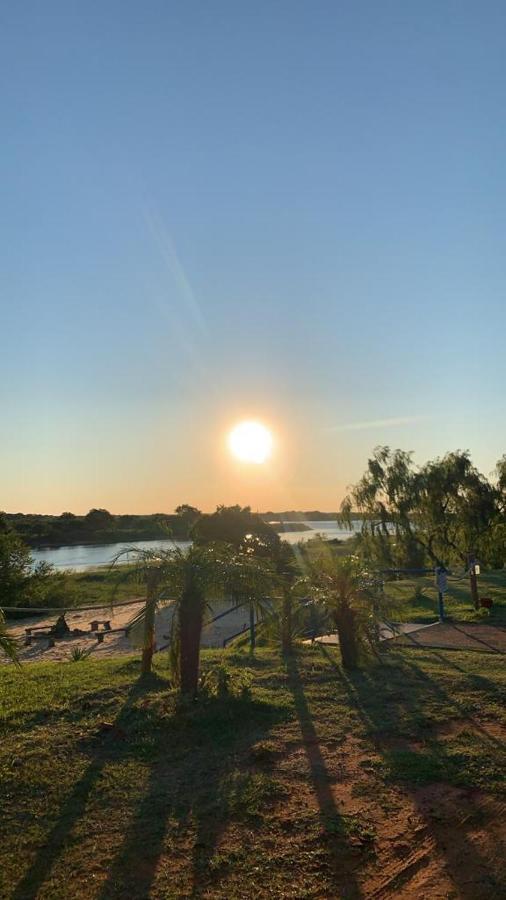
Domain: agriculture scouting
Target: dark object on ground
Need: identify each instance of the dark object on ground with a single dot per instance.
(60, 627)
(486, 602)
(58, 630)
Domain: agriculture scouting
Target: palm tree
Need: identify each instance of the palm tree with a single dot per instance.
(190, 578)
(249, 580)
(8, 644)
(351, 597)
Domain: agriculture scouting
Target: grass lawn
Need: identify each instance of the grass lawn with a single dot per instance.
(415, 600)
(305, 782)
(96, 586)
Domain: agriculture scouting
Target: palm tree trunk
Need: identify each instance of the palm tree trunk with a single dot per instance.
(148, 647)
(190, 631)
(345, 622)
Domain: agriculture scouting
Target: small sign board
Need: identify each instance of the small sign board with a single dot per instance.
(441, 579)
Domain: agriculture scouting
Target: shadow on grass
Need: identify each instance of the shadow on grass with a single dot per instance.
(478, 640)
(392, 706)
(193, 781)
(332, 821)
(201, 791)
(74, 806)
(476, 681)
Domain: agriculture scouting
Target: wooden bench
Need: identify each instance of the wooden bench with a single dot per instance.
(38, 628)
(44, 635)
(106, 623)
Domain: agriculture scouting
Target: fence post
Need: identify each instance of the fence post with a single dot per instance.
(442, 587)
(441, 606)
(252, 640)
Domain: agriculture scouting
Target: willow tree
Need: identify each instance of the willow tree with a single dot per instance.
(440, 513)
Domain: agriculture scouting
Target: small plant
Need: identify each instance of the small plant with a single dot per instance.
(77, 654)
(219, 682)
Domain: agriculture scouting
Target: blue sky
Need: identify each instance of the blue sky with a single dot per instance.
(288, 210)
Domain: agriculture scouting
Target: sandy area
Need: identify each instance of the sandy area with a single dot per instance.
(113, 644)
(117, 643)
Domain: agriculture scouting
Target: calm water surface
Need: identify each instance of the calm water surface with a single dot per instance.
(82, 557)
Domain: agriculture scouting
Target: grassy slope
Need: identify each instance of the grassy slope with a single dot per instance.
(310, 784)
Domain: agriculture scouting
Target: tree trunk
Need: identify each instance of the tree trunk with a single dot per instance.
(286, 623)
(190, 631)
(346, 629)
(148, 645)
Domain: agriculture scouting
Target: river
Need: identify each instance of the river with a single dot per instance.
(91, 556)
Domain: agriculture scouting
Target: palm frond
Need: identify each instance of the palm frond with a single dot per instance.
(8, 644)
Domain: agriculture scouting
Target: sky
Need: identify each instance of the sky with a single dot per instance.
(281, 210)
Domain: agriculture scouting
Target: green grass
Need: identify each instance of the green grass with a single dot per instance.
(97, 586)
(415, 600)
(304, 782)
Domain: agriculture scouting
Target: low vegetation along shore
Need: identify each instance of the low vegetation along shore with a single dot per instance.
(288, 778)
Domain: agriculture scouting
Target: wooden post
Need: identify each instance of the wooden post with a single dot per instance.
(473, 581)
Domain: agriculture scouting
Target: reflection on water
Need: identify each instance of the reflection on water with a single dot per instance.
(84, 557)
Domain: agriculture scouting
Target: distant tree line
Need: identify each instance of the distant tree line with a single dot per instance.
(99, 526)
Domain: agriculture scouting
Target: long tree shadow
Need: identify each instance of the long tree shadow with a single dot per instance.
(72, 810)
(478, 640)
(382, 705)
(451, 701)
(331, 818)
(477, 681)
(198, 793)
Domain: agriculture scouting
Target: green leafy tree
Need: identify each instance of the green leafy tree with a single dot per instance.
(15, 567)
(233, 525)
(99, 519)
(189, 514)
(22, 583)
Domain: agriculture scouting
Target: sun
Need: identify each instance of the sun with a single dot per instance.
(250, 442)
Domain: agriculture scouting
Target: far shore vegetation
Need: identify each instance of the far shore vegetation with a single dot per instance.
(99, 526)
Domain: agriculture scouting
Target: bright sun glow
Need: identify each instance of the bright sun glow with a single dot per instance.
(250, 442)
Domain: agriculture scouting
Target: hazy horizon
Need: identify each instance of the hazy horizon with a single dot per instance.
(290, 212)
